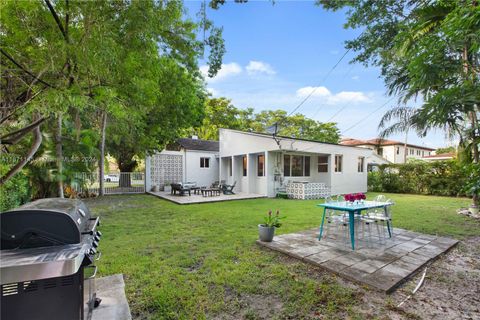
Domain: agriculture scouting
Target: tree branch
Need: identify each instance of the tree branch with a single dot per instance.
(18, 135)
(9, 57)
(57, 19)
(37, 135)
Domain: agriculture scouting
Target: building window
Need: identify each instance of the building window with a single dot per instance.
(286, 165)
(296, 166)
(361, 163)
(261, 165)
(423, 153)
(244, 166)
(204, 162)
(230, 169)
(380, 151)
(398, 150)
(412, 152)
(322, 163)
(338, 162)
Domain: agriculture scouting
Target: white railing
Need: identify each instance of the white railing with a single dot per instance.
(114, 183)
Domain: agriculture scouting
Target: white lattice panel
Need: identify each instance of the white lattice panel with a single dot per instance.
(313, 190)
(166, 168)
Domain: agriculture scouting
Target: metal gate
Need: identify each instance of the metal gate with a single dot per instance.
(114, 183)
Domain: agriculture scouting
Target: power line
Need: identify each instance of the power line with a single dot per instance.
(369, 115)
(323, 104)
(315, 88)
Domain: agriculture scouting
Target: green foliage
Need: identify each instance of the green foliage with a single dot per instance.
(443, 178)
(446, 150)
(272, 220)
(428, 50)
(15, 192)
(220, 113)
(472, 184)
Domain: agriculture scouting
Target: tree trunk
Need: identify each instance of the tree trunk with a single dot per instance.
(101, 164)
(59, 153)
(126, 164)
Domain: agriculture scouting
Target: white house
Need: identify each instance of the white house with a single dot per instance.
(263, 164)
(186, 160)
(390, 150)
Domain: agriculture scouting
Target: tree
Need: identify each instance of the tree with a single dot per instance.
(426, 50)
(220, 113)
(71, 65)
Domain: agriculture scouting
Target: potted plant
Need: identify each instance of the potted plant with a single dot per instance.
(472, 187)
(167, 187)
(266, 231)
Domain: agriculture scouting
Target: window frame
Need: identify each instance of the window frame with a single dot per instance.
(323, 164)
(261, 169)
(244, 166)
(205, 162)
(361, 165)
(230, 167)
(306, 165)
(338, 165)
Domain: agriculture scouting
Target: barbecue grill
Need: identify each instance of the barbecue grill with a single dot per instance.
(48, 249)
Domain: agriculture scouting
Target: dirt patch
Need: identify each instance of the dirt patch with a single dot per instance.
(249, 306)
(451, 290)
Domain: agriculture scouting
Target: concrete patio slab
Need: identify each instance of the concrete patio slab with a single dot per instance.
(197, 198)
(114, 305)
(383, 265)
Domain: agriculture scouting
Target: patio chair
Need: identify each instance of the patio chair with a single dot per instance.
(336, 220)
(228, 189)
(180, 188)
(384, 217)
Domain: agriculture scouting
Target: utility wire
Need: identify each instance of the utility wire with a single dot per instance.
(369, 115)
(315, 88)
(323, 104)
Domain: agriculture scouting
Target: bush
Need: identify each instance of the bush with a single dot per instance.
(443, 178)
(15, 191)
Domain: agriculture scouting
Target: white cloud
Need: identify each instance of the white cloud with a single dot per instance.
(314, 92)
(355, 77)
(259, 67)
(212, 91)
(227, 70)
(329, 98)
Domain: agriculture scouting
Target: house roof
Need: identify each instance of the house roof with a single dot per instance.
(378, 142)
(198, 144)
(285, 137)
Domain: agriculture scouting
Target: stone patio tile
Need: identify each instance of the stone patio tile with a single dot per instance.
(397, 269)
(353, 274)
(365, 267)
(349, 259)
(402, 238)
(421, 241)
(410, 245)
(323, 256)
(427, 237)
(369, 253)
(413, 260)
(306, 251)
(334, 265)
(382, 280)
(386, 257)
(429, 251)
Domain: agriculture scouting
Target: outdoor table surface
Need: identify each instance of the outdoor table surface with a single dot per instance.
(352, 209)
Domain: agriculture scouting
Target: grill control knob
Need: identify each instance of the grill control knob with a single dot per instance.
(95, 244)
(92, 251)
(99, 234)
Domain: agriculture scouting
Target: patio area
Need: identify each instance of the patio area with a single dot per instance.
(198, 198)
(381, 266)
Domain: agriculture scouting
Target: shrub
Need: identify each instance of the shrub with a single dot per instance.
(15, 191)
(443, 178)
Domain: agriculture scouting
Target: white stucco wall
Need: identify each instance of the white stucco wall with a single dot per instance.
(236, 143)
(202, 176)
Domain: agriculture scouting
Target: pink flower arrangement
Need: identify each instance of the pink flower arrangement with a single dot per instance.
(355, 196)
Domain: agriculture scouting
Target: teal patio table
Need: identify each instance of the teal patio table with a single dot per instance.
(353, 209)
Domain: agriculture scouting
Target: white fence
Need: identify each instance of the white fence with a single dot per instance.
(114, 183)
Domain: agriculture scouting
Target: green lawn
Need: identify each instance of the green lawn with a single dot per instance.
(201, 261)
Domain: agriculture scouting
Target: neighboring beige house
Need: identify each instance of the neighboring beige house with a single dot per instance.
(390, 150)
(440, 157)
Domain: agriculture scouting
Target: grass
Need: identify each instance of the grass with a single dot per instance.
(201, 261)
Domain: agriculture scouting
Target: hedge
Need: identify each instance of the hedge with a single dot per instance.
(443, 178)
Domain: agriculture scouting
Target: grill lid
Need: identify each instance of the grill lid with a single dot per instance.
(43, 223)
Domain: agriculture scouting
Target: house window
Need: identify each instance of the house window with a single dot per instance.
(338, 162)
(230, 169)
(296, 166)
(423, 153)
(244, 166)
(260, 165)
(204, 162)
(286, 165)
(322, 163)
(398, 150)
(380, 151)
(361, 162)
(412, 151)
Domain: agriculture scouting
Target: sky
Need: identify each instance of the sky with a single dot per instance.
(278, 54)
